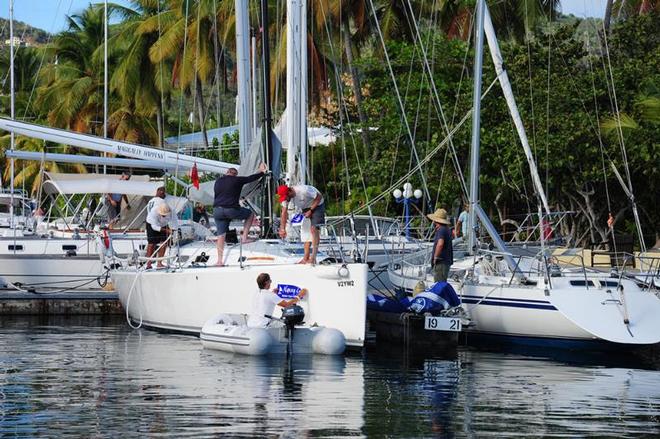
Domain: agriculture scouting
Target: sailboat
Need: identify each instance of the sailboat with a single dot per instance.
(530, 299)
(185, 296)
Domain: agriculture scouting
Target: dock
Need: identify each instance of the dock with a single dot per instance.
(77, 302)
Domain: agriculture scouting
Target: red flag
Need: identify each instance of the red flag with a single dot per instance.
(194, 176)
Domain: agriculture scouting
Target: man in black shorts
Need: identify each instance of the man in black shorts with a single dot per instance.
(159, 220)
(226, 208)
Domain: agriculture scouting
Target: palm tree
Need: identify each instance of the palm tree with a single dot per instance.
(72, 86)
(143, 86)
(26, 67)
(342, 12)
(29, 172)
(188, 43)
(646, 106)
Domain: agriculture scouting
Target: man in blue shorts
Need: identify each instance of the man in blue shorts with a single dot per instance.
(226, 207)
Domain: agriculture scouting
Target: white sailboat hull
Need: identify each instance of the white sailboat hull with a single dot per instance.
(183, 300)
(565, 312)
(58, 262)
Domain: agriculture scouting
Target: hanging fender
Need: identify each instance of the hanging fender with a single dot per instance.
(106, 239)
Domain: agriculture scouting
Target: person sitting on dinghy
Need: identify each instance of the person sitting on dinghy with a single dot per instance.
(265, 300)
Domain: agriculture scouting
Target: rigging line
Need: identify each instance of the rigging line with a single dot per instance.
(41, 62)
(196, 82)
(624, 153)
(280, 13)
(398, 96)
(429, 102)
(345, 107)
(437, 102)
(600, 139)
(547, 120)
(520, 170)
(463, 70)
(216, 76)
(442, 177)
(618, 115)
(216, 63)
(183, 68)
(428, 156)
(408, 89)
(340, 100)
(162, 84)
(577, 90)
(529, 76)
(416, 168)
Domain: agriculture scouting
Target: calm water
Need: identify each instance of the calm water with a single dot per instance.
(98, 378)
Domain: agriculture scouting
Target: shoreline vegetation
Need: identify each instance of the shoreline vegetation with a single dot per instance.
(170, 72)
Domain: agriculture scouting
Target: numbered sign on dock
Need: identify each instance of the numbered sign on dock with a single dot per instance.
(442, 323)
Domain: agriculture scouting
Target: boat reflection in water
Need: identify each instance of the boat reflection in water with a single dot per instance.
(481, 393)
(86, 378)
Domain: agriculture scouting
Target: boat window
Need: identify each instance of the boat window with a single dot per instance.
(609, 283)
(69, 247)
(14, 247)
(581, 283)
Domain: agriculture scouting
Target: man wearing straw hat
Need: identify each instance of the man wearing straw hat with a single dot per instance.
(443, 253)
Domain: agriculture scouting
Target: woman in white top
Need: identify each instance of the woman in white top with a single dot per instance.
(265, 300)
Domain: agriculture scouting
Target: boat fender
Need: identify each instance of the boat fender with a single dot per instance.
(260, 341)
(106, 239)
(329, 341)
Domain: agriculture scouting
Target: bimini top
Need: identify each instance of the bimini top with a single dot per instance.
(57, 183)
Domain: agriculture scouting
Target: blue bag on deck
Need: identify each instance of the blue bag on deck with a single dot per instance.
(376, 302)
(438, 297)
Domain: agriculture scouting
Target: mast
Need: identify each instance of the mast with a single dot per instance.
(12, 109)
(505, 84)
(302, 111)
(105, 73)
(243, 76)
(296, 114)
(476, 126)
(267, 200)
(253, 64)
(475, 207)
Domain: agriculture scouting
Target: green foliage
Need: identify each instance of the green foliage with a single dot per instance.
(559, 71)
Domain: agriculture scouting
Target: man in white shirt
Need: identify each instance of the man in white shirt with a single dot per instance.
(310, 201)
(160, 222)
(265, 300)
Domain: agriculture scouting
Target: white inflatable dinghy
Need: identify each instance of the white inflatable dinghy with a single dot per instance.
(230, 333)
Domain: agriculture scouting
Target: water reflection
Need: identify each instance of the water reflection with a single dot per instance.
(97, 378)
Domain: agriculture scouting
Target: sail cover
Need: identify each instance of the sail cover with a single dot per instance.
(67, 184)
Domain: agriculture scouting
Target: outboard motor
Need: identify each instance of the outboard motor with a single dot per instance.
(291, 316)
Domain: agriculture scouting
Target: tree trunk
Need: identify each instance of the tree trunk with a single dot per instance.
(357, 91)
(608, 17)
(200, 111)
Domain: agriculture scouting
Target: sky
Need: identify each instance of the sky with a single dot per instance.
(49, 15)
